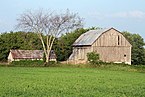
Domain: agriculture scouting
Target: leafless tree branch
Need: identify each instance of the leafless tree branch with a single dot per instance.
(50, 24)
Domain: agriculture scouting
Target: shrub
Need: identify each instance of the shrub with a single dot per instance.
(27, 63)
(33, 63)
(93, 58)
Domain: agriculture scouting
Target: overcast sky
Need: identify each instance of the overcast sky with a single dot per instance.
(124, 15)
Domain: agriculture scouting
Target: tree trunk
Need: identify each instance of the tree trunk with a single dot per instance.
(47, 61)
(47, 58)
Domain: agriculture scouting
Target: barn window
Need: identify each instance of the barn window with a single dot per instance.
(118, 40)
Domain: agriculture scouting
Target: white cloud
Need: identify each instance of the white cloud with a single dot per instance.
(129, 14)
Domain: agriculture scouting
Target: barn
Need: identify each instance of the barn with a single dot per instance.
(110, 44)
(17, 55)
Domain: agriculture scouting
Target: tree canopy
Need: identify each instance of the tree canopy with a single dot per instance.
(138, 51)
(18, 40)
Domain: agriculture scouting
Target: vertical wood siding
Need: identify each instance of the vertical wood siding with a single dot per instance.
(114, 54)
(110, 38)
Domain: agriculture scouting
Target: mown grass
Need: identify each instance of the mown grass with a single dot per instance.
(70, 82)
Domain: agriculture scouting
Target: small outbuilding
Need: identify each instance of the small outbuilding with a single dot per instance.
(110, 44)
(17, 55)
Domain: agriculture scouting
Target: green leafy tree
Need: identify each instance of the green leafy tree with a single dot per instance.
(138, 52)
(18, 40)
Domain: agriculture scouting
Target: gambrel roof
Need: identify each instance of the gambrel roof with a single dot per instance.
(89, 37)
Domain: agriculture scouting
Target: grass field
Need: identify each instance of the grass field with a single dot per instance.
(70, 82)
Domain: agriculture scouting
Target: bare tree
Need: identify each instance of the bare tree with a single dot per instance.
(50, 24)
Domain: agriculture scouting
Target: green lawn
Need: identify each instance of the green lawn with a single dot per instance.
(70, 82)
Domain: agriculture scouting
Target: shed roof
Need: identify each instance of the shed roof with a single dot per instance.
(30, 54)
(89, 37)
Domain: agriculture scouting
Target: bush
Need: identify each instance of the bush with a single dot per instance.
(28, 63)
(51, 64)
(33, 63)
(93, 58)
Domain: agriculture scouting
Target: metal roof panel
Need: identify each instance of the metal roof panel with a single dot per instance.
(89, 37)
(30, 54)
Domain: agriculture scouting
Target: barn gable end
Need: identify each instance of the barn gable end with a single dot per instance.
(111, 37)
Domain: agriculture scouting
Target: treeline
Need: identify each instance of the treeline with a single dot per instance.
(17, 40)
(30, 41)
(62, 45)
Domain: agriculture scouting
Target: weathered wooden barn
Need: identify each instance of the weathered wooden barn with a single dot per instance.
(17, 55)
(110, 44)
